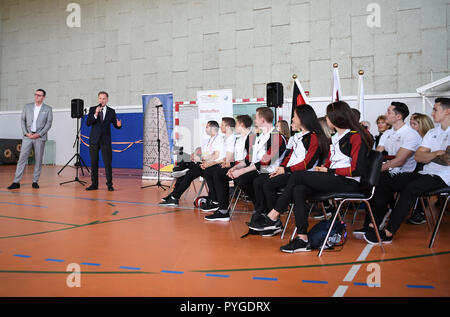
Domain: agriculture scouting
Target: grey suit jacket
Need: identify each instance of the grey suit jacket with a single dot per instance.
(43, 123)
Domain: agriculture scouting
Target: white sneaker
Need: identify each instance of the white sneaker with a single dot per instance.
(178, 174)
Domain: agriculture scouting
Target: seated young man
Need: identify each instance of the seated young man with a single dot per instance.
(264, 154)
(400, 142)
(221, 180)
(434, 153)
(226, 157)
(210, 151)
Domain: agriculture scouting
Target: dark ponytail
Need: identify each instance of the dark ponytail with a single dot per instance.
(341, 116)
(311, 123)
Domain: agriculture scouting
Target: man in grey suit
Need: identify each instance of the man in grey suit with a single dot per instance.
(36, 120)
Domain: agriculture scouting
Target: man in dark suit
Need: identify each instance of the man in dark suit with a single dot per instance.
(100, 117)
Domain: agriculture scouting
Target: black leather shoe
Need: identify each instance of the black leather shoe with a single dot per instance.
(110, 188)
(14, 186)
(92, 187)
(35, 185)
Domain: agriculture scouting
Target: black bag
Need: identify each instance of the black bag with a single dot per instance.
(318, 232)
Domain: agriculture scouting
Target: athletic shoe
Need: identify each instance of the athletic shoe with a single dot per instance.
(255, 219)
(171, 201)
(271, 233)
(165, 198)
(296, 245)
(417, 218)
(209, 206)
(180, 173)
(317, 212)
(14, 186)
(371, 237)
(359, 233)
(218, 216)
(35, 185)
(265, 224)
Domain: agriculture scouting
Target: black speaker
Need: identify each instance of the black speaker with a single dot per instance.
(274, 95)
(77, 108)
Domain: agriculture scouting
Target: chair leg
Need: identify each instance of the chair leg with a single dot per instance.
(331, 227)
(200, 190)
(293, 234)
(428, 213)
(235, 189)
(369, 209)
(354, 217)
(438, 223)
(235, 203)
(287, 221)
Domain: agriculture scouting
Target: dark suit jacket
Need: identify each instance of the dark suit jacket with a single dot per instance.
(101, 132)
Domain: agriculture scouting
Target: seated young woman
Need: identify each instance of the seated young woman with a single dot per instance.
(346, 162)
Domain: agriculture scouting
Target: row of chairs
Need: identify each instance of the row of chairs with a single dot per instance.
(366, 192)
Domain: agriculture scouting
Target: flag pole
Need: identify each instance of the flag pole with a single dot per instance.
(361, 106)
(297, 81)
(336, 96)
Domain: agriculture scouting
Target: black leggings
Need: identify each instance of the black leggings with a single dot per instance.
(266, 191)
(303, 184)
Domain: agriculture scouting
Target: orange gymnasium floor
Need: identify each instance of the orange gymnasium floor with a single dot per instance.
(127, 245)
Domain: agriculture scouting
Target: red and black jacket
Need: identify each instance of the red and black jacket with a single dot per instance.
(274, 147)
(355, 148)
(311, 145)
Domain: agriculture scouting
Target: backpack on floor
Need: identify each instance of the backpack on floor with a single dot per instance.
(318, 232)
(200, 200)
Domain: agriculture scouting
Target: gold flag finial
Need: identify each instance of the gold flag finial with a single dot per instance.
(294, 76)
(361, 72)
(335, 65)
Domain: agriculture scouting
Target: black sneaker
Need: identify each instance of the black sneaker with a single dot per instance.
(359, 233)
(371, 237)
(256, 219)
(14, 186)
(218, 216)
(417, 218)
(35, 185)
(209, 206)
(265, 224)
(165, 198)
(271, 233)
(318, 214)
(171, 201)
(296, 245)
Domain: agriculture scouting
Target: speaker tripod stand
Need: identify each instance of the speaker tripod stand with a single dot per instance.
(158, 141)
(79, 163)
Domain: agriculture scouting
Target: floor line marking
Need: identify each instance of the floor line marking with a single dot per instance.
(340, 292)
(323, 265)
(54, 260)
(129, 268)
(171, 272)
(25, 205)
(420, 286)
(351, 274)
(216, 275)
(22, 256)
(38, 220)
(265, 278)
(314, 282)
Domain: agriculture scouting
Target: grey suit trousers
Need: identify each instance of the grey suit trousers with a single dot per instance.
(27, 145)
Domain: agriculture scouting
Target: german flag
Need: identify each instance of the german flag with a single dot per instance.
(299, 97)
